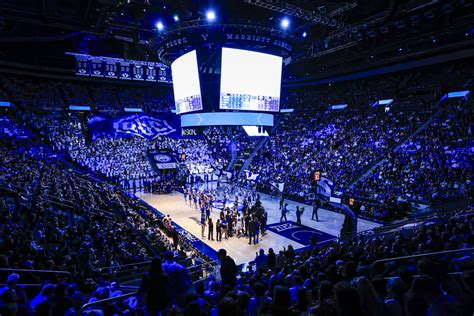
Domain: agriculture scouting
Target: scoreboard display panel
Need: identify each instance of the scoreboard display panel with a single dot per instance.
(250, 81)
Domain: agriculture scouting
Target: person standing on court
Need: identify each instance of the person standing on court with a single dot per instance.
(218, 230)
(203, 225)
(252, 230)
(284, 211)
(315, 211)
(210, 224)
(299, 212)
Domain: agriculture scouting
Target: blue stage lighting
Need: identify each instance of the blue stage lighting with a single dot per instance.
(304, 34)
(210, 15)
(159, 26)
(285, 23)
(176, 18)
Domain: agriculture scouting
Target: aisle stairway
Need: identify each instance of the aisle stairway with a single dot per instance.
(259, 146)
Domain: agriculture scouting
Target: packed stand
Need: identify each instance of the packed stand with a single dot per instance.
(434, 165)
(340, 145)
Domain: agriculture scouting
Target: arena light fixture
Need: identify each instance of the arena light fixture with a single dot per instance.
(159, 26)
(211, 15)
(176, 18)
(304, 34)
(285, 23)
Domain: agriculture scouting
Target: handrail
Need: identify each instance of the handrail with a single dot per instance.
(122, 265)
(106, 300)
(25, 284)
(149, 262)
(69, 274)
(37, 271)
(424, 255)
(419, 275)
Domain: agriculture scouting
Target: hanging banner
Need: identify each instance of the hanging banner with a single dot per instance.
(163, 160)
(82, 65)
(147, 126)
(150, 72)
(111, 70)
(118, 68)
(138, 71)
(97, 67)
(125, 70)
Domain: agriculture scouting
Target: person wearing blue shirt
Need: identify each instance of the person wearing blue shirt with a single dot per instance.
(178, 277)
(203, 225)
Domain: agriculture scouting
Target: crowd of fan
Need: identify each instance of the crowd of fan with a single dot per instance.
(124, 160)
(341, 279)
(434, 165)
(339, 145)
(55, 219)
(46, 94)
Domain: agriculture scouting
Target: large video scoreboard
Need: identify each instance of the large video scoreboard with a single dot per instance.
(250, 81)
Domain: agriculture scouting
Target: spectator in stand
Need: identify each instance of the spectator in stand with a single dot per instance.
(56, 305)
(179, 278)
(228, 270)
(155, 289)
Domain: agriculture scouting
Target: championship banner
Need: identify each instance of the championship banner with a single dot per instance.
(97, 67)
(118, 68)
(125, 70)
(111, 70)
(147, 126)
(82, 65)
(163, 160)
(150, 72)
(138, 71)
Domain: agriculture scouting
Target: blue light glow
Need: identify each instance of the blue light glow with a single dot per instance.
(285, 23)
(5, 104)
(304, 34)
(79, 108)
(211, 15)
(458, 94)
(159, 26)
(385, 102)
(176, 18)
(135, 110)
(339, 106)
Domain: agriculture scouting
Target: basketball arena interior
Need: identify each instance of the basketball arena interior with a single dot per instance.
(236, 157)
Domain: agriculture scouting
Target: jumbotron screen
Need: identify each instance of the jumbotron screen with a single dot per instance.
(186, 85)
(250, 81)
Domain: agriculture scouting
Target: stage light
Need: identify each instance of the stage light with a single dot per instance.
(304, 34)
(176, 18)
(159, 26)
(210, 15)
(285, 23)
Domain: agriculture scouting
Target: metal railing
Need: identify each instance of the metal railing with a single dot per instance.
(134, 271)
(108, 301)
(122, 266)
(69, 274)
(424, 255)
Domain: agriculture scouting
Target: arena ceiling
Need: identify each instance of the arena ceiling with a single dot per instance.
(323, 32)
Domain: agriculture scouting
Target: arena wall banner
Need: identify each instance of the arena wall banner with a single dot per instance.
(147, 126)
(164, 160)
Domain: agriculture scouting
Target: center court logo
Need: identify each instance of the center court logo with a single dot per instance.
(144, 126)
